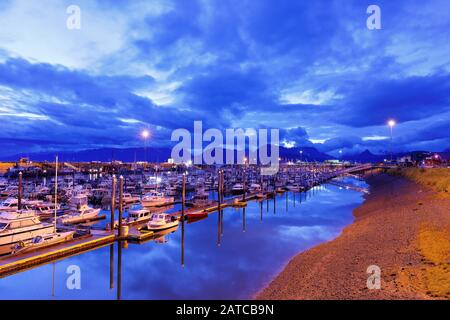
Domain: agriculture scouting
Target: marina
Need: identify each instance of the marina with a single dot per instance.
(84, 225)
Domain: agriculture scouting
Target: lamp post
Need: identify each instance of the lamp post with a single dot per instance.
(391, 124)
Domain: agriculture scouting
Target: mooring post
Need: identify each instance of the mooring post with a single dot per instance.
(219, 191)
(243, 220)
(183, 200)
(120, 205)
(113, 201)
(111, 266)
(222, 183)
(219, 199)
(287, 205)
(19, 200)
(222, 193)
(261, 210)
(183, 196)
(245, 185)
(119, 270)
(274, 202)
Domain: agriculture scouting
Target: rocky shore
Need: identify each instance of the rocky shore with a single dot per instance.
(402, 227)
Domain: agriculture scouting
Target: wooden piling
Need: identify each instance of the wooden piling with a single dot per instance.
(243, 220)
(111, 266)
(261, 210)
(120, 205)
(19, 201)
(183, 197)
(119, 270)
(113, 201)
(219, 201)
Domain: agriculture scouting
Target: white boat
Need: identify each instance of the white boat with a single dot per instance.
(254, 187)
(9, 205)
(44, 210)
(141, 215)
(237, 189)
(162, 221)
(21, 226)
(129, 199)
(295, 187)
(156, 199)
(171, 191)
(200, 199)
(79, 211)
(41, 241)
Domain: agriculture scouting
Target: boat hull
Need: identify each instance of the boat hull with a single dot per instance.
(7, 241)
(156, 228)
(157, 203)
(80, 218)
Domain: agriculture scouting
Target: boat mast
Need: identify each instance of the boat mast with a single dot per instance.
(56, 190)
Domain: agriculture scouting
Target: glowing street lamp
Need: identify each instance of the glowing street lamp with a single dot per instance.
(391, 123)
(145, 134)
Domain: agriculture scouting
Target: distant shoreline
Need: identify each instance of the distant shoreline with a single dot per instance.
(402, 227)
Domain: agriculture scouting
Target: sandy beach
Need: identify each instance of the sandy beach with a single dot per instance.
(402, 227)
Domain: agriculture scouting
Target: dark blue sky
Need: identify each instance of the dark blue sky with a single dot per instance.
(310, 68)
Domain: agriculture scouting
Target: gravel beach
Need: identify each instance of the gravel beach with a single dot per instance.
(402, 227)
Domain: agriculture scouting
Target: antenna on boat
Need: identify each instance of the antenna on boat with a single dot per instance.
(56, 189)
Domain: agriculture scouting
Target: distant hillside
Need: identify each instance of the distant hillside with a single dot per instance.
(153, 155)
(162, 154)
(364, 157)
(104, 155)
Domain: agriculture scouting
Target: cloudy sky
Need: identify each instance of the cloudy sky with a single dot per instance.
(310, 68)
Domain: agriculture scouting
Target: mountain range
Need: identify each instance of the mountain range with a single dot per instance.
(152, 154)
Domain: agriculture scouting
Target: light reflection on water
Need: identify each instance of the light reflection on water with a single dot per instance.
(251, 253)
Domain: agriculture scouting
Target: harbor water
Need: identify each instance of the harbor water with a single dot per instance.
(229, 259)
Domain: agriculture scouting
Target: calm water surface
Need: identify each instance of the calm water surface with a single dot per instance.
(255, 246)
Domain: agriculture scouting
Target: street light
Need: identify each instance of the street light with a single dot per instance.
(145, 134)
(391, 123)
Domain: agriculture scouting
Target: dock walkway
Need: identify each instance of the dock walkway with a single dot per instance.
(13, 264)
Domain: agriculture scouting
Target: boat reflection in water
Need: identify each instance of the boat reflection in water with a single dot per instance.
(187, 263)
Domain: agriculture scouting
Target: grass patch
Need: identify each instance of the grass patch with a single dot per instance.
(434, 245)
(436, 178)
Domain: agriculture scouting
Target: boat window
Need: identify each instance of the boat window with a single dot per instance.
(3, 226)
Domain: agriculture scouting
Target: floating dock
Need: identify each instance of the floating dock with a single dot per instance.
(13, 264)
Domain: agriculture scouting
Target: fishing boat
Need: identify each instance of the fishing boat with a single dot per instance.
(129, 199)
(156, 199)
(136, 216)
(254, 187)
(79, 211)
(196, 215)
(200, 199)
(295, 187)
(260, 195)
(161, 221)
(238, 188)
(280, 190)
(21, 226)
(41, 241)
(9, 205)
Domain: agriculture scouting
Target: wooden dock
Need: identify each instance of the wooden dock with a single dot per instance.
(14, 264)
